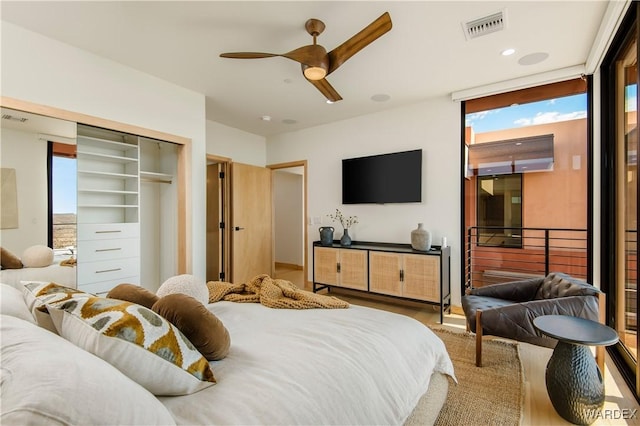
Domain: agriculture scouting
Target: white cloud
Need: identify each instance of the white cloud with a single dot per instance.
(482, 114)
(549, 117)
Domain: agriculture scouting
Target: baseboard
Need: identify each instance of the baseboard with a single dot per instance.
(288, 266)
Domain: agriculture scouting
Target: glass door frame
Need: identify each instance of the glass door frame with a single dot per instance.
(611, 281)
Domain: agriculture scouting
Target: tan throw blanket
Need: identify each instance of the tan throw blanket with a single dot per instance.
(273, 293)
(69, 262)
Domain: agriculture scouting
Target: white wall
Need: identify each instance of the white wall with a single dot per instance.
(238, 145)
(21, 151)
(433, 126)
(44, 71)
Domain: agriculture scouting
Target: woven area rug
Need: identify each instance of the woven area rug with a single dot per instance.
(491, 395)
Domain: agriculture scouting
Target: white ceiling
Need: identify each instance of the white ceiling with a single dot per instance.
(424, 55)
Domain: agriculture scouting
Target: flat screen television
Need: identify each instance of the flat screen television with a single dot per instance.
(384, 178)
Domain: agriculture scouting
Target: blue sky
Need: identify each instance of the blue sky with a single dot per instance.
(64, 185)
(548, 111)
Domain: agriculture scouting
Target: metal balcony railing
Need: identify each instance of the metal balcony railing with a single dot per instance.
(631, 280)
(499, 254)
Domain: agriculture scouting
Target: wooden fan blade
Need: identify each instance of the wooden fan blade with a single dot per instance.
(248, 55)
(326, 89)
(371, 32)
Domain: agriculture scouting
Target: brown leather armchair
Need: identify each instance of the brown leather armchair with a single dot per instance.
(508, 309)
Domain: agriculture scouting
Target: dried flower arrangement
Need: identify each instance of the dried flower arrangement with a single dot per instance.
(346, 222)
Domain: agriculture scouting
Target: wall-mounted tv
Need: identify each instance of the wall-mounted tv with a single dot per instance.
(385, 178)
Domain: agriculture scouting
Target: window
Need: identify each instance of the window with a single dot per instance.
(500, 210)
(526, 184)
(62, 196)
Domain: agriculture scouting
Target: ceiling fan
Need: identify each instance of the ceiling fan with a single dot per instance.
(316, 62)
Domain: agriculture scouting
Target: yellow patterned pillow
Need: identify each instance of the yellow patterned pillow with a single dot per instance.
(38, 293)
(137, 341)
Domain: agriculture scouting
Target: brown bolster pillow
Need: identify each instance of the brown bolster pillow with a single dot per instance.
(197, 323)
(134, 294)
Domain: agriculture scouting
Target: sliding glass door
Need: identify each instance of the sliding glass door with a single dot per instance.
(627, 201)
(620, 194)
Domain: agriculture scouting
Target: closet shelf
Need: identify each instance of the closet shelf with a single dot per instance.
(107, 191)
(106, 157)
(108, 206)
(108, 174)
(103, 143)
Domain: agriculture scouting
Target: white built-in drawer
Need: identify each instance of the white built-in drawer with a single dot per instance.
(95, 231)
(116, 248)
(101, 288)
(90, 272)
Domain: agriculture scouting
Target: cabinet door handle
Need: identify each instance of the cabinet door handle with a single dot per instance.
(401, 275)
(109, 232)
(108, 249)
(108, 270)
(338, 267)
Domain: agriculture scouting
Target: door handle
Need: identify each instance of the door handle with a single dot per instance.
(238, 228)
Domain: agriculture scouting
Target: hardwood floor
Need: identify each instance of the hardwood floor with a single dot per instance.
(537, 409)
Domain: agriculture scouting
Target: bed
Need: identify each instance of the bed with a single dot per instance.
(315, 366)
(65, 275)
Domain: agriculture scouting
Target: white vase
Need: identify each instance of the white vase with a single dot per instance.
(420, 239)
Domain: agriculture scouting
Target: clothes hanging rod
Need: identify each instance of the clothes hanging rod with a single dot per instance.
(155, 180)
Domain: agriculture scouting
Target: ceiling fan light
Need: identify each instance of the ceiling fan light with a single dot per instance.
(315, 73)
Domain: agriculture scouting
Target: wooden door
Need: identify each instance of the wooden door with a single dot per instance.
(325, 265)
(251, 222)
(384, 273)
(422, 277)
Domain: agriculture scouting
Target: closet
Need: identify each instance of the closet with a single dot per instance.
(127, 216)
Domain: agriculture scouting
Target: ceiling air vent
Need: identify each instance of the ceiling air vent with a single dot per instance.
(486, 25)
(14, 118)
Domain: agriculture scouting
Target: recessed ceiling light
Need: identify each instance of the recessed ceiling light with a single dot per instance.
(508, 52)
(533, 58)
(381, 97)
(329, 101)
(265, 118)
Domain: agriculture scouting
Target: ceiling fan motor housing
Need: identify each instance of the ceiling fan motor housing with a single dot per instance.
(315, 65)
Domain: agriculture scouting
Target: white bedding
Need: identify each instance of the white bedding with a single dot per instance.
(317, 366)
(64, 275)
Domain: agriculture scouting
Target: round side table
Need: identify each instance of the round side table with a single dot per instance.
(574, 381)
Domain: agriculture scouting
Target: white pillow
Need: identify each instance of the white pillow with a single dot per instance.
(185, 284)
(12, 303)
(137, 341)
(37, 256)
(47, 380)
